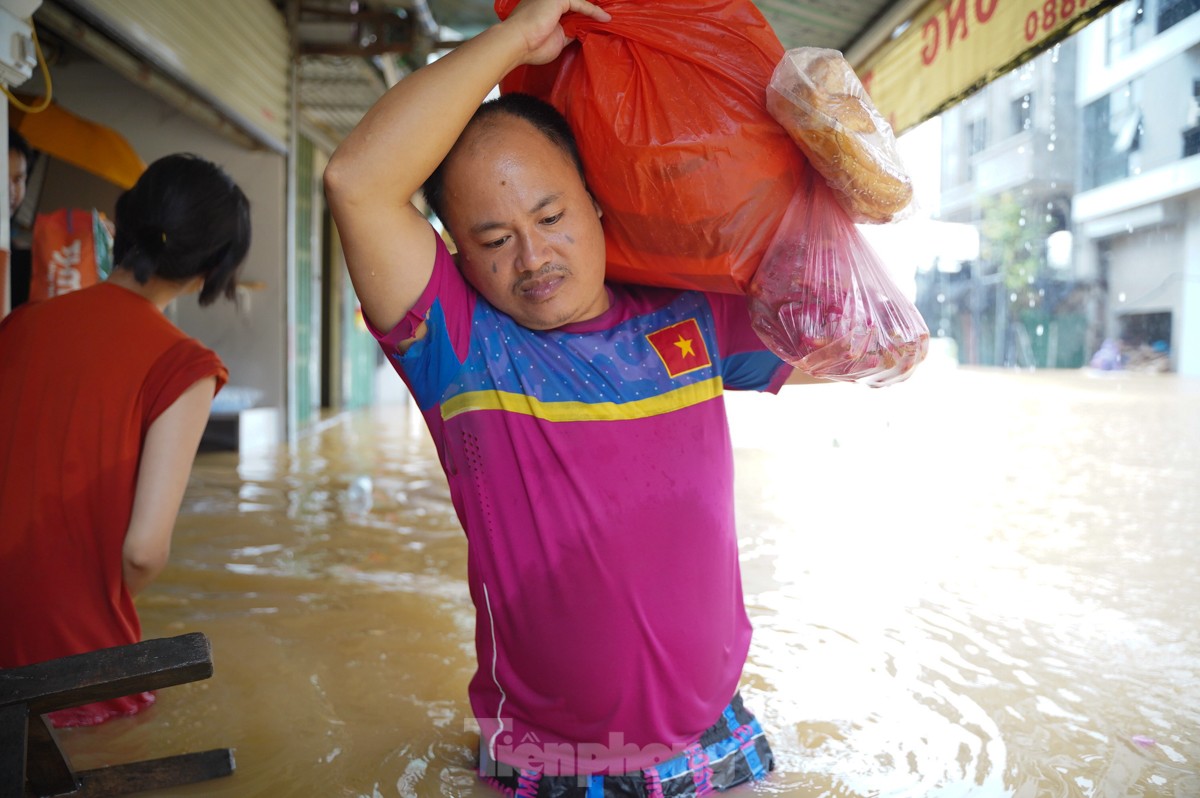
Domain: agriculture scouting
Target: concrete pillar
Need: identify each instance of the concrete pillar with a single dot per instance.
(1186, 335)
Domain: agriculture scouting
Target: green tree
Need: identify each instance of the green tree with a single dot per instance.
(1013, 240)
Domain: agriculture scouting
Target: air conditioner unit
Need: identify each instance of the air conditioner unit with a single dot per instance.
(18, 57)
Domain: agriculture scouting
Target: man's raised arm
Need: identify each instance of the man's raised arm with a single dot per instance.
(373, 175)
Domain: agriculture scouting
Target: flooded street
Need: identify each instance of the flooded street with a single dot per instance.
(977, 583)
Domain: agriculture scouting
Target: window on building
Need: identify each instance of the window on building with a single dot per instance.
(1191, 133)
(1172, 12)
(1021, 113)
(1129, 135)
(1125, 119)
(1113, 131)
(976, 142)
(1122, 23)
(976, 136)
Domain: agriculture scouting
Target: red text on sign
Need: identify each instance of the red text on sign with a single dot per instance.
(954, 21)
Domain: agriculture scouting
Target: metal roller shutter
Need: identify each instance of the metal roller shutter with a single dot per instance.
(234, 53)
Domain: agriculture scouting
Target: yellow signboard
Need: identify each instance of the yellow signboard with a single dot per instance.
(952, 48)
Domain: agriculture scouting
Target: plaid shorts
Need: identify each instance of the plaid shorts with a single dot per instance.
(732, 751)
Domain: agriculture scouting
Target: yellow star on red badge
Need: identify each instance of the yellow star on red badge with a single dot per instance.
(681, 347)
(685, 347)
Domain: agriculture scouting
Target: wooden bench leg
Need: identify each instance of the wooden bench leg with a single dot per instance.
(155, 774)
(47, 770)
(13, 722)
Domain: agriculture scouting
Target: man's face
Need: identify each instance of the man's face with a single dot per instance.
(17, 175)
(528, 232)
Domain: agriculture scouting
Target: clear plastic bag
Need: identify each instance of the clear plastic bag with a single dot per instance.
(823, 301)
(815, 95)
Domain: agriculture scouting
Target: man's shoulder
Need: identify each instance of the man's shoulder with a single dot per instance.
(639, 300)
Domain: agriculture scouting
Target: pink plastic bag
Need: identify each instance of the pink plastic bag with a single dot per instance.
(824, 302)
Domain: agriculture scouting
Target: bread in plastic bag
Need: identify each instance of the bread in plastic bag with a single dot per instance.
(667, 101)
(819, 100)
(823, 300)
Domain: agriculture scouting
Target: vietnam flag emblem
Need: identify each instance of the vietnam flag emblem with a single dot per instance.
(680, 347)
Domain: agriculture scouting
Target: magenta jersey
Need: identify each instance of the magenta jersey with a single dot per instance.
(592, 471)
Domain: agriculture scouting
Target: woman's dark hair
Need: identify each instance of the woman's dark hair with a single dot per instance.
(542, 115)
(184, 218)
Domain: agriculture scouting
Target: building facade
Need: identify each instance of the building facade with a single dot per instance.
(1081, 170)
(1009, 167)
(1137, 211)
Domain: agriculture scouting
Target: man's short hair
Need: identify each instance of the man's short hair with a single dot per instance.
(17, 142)
(539, 113)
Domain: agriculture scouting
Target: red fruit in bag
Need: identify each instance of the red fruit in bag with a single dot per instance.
(823, 301)
(668, 102)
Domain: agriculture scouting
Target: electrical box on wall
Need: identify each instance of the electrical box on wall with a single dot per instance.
(18, 57)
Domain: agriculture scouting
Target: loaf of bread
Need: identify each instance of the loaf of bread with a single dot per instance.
(815, 95)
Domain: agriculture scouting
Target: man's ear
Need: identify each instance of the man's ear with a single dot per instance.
(596, 205)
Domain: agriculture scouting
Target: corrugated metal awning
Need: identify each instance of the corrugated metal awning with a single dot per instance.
(235, 54)
(335, 91)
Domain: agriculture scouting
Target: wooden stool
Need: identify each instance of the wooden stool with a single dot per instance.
(31, 761)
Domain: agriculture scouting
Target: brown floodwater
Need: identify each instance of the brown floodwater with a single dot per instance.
(976, 583)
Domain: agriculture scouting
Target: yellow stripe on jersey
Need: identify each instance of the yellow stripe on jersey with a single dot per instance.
(659, 405)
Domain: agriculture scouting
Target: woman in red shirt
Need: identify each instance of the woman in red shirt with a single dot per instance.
(102, 405)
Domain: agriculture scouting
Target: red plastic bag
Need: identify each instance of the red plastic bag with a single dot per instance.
(70, 249)
(668, 102)
(824, 302)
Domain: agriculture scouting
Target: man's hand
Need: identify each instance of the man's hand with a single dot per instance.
(540, 24)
